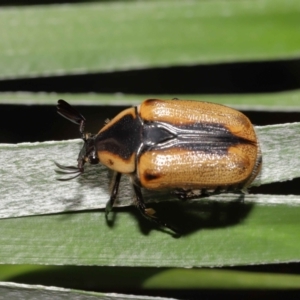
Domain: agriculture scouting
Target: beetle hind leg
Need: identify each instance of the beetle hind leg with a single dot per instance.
(183, 194)
(149, 213)
(114, 193)
(189, 194)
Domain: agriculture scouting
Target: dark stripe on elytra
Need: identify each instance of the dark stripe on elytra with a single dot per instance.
(122, 138)
(204, 137)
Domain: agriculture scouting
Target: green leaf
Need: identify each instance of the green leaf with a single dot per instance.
(215, 234)
(105, 36)
(284, 101)
(28, 175)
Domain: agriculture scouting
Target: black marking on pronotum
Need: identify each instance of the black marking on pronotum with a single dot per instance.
(121, 138)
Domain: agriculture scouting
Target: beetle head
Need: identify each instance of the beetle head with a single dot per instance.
(88, 152)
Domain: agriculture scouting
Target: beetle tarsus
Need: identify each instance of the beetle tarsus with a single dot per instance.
(149, 213)
(108, 209)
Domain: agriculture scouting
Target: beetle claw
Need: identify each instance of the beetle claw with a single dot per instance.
(150, 212)
(108, 209)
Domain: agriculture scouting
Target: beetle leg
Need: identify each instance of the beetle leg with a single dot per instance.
(184, 195)
(149, 213)
(114, 193)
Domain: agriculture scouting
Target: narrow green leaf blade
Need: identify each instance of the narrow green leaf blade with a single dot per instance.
(97, 37)
(215, 234)
(283, 102)
(29, 185)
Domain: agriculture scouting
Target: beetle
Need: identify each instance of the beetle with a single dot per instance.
(194, 149)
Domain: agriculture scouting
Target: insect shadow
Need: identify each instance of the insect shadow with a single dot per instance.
(186, 216)
(190, 216)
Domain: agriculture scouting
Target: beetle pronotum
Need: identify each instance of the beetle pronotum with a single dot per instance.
(192, 148)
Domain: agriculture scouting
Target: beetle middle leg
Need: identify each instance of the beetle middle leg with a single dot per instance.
(149, 213)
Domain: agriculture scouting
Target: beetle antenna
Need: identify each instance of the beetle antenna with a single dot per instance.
(68, 170)
(71, 114)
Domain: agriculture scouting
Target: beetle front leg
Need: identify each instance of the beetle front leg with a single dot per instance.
(114, 193)
(149, 213)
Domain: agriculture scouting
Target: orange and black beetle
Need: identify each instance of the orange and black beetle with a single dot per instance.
(192, 148)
